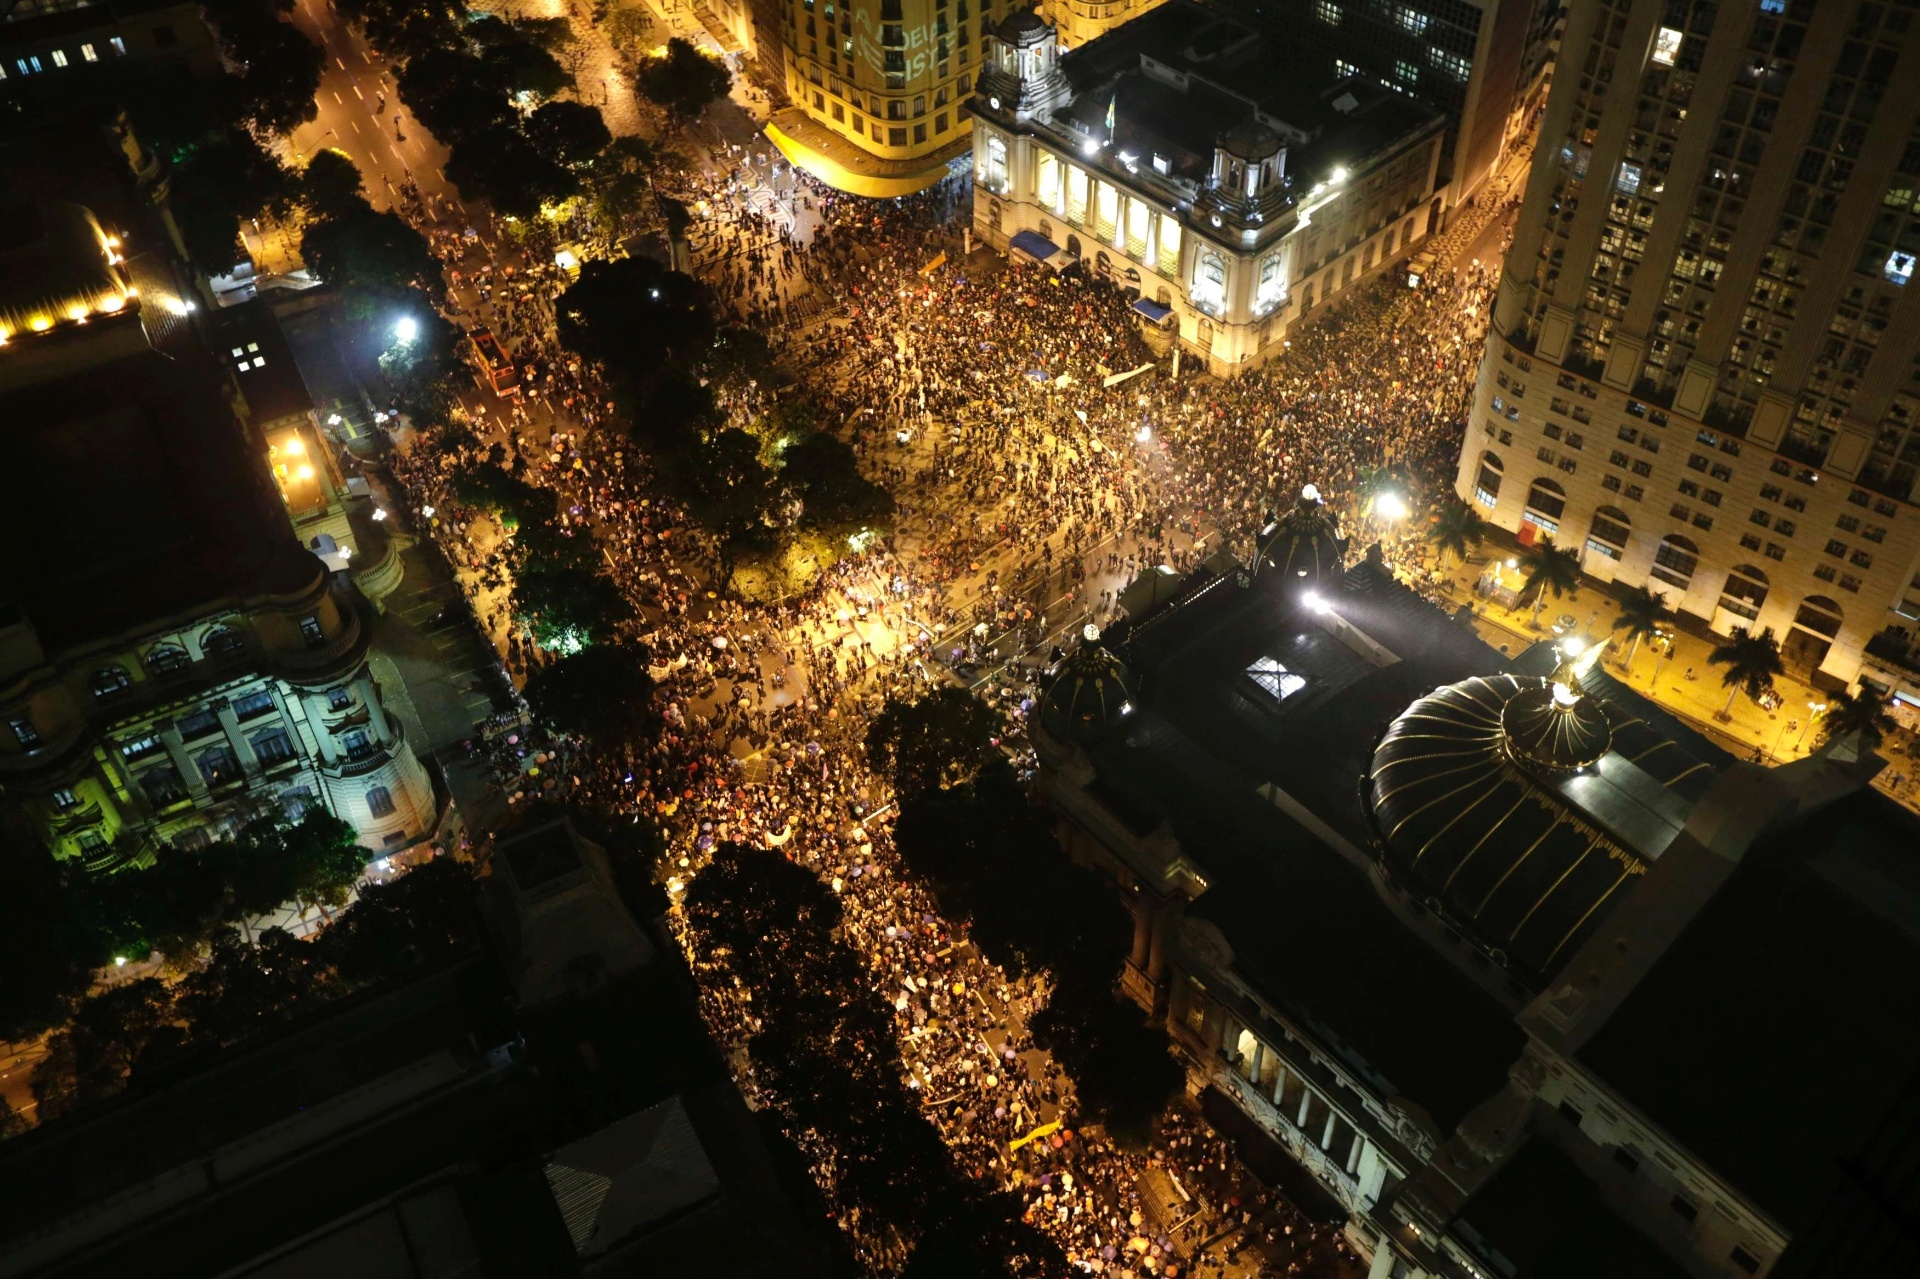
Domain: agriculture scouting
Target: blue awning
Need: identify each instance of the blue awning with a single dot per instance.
(1152, 310)
(1034, 245)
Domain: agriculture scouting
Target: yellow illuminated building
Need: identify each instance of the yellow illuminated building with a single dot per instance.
(878, 88)
(1078, 21)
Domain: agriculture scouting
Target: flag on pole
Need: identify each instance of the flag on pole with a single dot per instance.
(1111, 103)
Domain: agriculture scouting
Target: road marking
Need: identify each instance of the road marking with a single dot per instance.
(358, 94)
(337, 98)
(354, 123)
(342, 65)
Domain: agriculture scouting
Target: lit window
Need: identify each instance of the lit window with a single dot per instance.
(1412, 20)
(1273, 283)
(1209, 282)
(25, 733)
(1454, 65)
(1628, 183)
(1899, 267)
(65, 800)
(87, 52)
(1279, 682)
(119, 45)
(1406, 73)
(1666, 46)
(1343, 68)
(35, 61)
(59, 57)
(1330, 13)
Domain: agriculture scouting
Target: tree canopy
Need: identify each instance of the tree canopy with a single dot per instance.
(602, 693)
(941, 740)
(683, 79)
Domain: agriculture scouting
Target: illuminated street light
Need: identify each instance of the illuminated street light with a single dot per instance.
(379, 514)
(405, 329)
(1144, 435)
(1391, 506)
(1317, 604)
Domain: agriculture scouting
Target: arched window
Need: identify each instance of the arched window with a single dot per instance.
(1486, 488)
(221, 641)
(380, 801)
(1210, 281)
(110, 681)
(1609, 532)
(1546, 502)
(1273, 283)
(165, 659)
(1820, 615)
(1745, 591)
(1674, 563)
(996, 166)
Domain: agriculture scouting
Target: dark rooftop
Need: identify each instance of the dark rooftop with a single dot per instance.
(138, 472)
(1544, 1219)
(249, 341)
(541, 855)
(1795, 981)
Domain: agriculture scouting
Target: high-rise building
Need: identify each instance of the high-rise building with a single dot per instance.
(1702, 369)
(878, 88)
(1483, 62)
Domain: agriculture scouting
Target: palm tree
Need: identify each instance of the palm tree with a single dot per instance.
(1752, 660)
(1548, 567)
(1864, 712)
(1641, 612)
(1457, 528)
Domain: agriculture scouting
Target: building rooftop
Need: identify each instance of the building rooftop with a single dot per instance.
(1178, 79)
(1544, 1219)
(137, 470)
(248, 340)
(1775, 1032)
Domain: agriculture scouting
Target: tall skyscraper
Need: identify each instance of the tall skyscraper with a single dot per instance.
(1704, 367)
(877, 87)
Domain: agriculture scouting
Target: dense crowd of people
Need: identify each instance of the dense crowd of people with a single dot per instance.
(1029, 495)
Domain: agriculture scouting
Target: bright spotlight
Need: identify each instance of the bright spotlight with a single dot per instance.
(405, 329)
(1572, 646)
(1391, 506)
(1144, 435)
(1318, 605)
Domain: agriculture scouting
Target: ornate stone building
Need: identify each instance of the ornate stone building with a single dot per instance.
(1488, 959)
(174, 661)
(1181, 157)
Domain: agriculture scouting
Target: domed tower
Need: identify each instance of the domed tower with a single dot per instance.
(1022, 79)
(1302, 548)
(1088, 694)
(1248, 183)
(1480, 795)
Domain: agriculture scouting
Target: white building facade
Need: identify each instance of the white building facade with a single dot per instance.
(1226, 250)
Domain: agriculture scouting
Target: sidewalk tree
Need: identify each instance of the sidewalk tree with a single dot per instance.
(280, 67)
(835, 499)
(565, 608)
(1547, 567)
(631, 315)
(373, 258)
(454, 94)
(1457, 529)
(602, 693)
(1641, 614)
(571, 133)
(217, 181)
(1864, 712)
(941, 740)
(518, 62)
(683, 79)
(1752, 659)
(1123, 1068)
(501, 166)
(330, 185)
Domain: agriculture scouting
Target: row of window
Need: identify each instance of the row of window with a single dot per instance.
(33, 64)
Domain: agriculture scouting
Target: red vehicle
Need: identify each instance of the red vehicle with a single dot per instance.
(497, 368)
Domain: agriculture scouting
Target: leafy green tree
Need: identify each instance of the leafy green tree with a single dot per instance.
(1547, 567)
(1457, 529)
(455, 94)
(218, 179)
(1123, 1068)
(1864, 712)
(835, 498)
(939, 741)
(247, 987)
(374, 258)
(423, 918)
(407, 28)
(982, 1235)
(602, 693)
(733, 494)
(1752, 659)
(50, 943)
(91, 1058)
(571, 133)
(427, 373)
(521, 64)
(631, 316)
(514, 502)
(1642, 612)
(280, 67)
(330, 185)
(567, 609)
(501, 166)
(683, 80)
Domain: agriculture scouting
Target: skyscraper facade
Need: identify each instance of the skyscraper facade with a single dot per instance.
(1704, 368)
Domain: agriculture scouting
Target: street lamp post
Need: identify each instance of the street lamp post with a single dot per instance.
(1814, 711)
